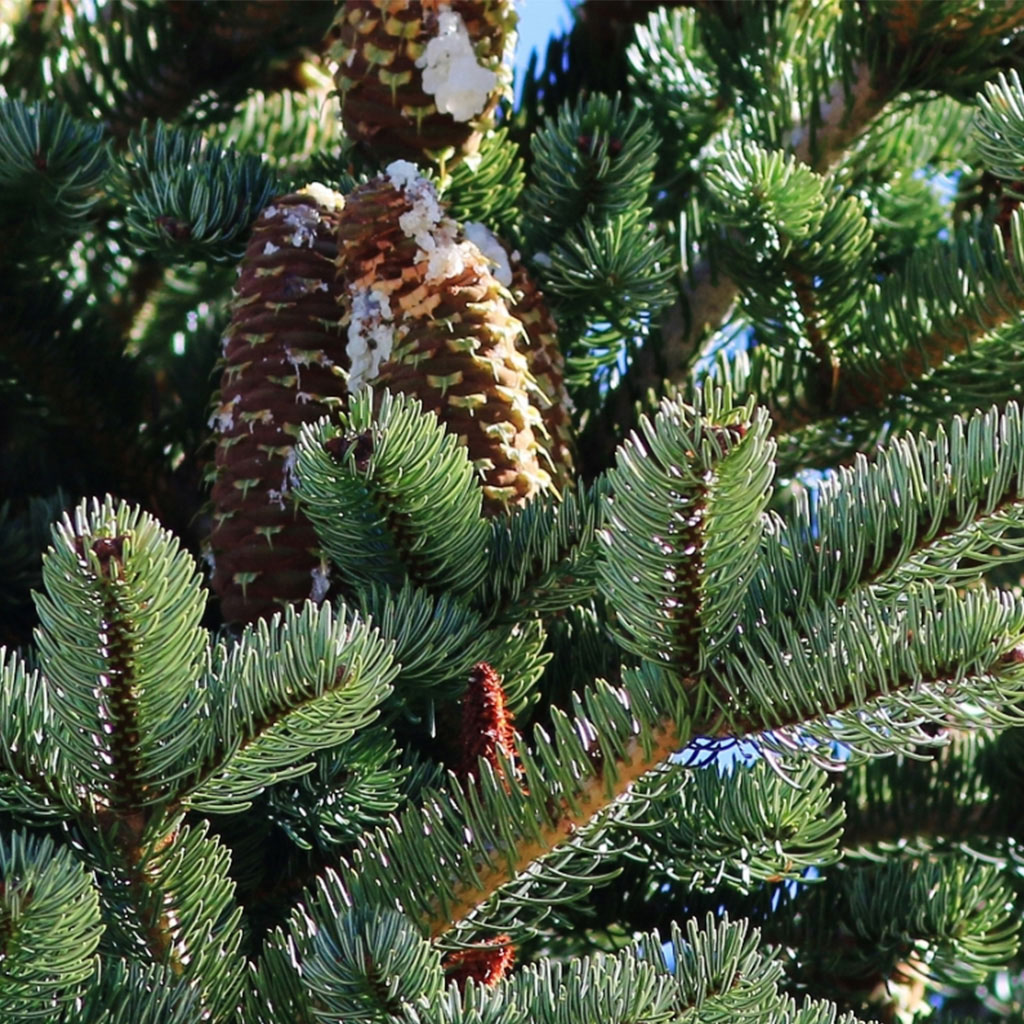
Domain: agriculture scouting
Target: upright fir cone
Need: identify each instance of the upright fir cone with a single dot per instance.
(488, 729)
(539, 343)
(428, 318)
(486, 964)
(284, 363)
(547, 367)
(422, 79)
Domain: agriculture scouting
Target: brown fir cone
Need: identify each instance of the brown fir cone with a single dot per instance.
(486, 964)
(422, 79)
(547, 367)
(428, 318)
(488, 729)
(284, 365)
(539, 343)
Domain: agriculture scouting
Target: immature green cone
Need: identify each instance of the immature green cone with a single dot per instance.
(422, 79)
(284, 363)
(428, 318)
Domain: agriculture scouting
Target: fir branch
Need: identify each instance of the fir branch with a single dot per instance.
(825, 360)
(588, 224)
(976, 379)
(352, 789)
(36, 781)
(638, 758)
(596, 160)
(705, 973)
(487, 835)
(746, 826)
(948, 325)
(51, 165)
(542, 558)
(120, 639)
(946, 795)
(684, 521)
(717, 967)
(925, 508)
(126, 63)
(50, 928)
(276, 991)
(439, 638)
(869, 675)
(124, 992)
(170, 891)
(392, 493)
(841, 658)
(673, 78)
(188, 199)
(365, 967)
(951, 914)
(288, 129)
(706, 296)
(864, 618)
(486, 187)
(302, 682)
(995, 297)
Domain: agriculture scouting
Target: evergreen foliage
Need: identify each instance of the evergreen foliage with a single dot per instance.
(749, 648)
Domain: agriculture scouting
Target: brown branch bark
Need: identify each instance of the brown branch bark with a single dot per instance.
(871, 389)
(592, 796)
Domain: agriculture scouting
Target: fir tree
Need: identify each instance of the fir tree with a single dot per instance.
(613, 505)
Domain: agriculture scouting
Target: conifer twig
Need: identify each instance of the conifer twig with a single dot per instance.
(592, 797)
(705, 298)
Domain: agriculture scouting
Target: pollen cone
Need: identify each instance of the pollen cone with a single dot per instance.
(284, 363)
(486, 964)
(421, 80)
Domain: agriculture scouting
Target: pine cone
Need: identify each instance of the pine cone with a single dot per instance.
(284, 363)
(428, 318)
(421, 79)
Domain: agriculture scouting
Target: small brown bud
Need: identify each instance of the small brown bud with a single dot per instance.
(178, 230)
(109, 549)
(360, 446)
